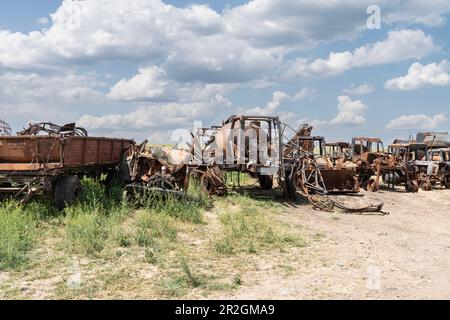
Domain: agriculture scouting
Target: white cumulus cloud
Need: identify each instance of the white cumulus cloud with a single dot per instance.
(417, 121)
(278, 97)
(305, 23)
(365, 88)
(196, 42)
(350, 112)
(433, 74)
(191, 43)
(304, 93)
(398, 46)
(152, 84)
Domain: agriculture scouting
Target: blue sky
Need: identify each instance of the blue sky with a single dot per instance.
(144, 68)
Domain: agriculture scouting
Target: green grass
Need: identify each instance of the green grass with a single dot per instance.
(89, 224)
(17, 234)
(184, 250)
(247, 227)
(235, 179)
(188, 209)
(86, 233)
(178, 283)
(154, 225)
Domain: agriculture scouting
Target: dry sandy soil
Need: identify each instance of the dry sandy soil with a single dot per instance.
(405, 254)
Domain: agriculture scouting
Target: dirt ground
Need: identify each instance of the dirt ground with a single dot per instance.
(405, 254)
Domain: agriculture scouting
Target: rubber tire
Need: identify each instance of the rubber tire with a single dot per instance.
(68, 190)
(265, 182)
(426, 186)
(412, 186)
(289, 188)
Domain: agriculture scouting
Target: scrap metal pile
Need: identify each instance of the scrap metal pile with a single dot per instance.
(49, 128)
(159, 169)
(269, 151)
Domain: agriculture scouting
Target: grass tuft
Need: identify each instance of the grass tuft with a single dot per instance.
(247, 227)
(86, 233)
(16, 235)
(194, 281)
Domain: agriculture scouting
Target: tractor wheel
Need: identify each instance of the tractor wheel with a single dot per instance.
(68, 190)
(425, 186)
(265, 182)
(288, 184)
(412, 186)
(290, 191)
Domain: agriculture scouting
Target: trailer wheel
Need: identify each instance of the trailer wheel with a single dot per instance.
(265, 182)
(67, 190)
(426, 186)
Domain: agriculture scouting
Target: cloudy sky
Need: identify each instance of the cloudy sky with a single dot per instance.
(142, 68)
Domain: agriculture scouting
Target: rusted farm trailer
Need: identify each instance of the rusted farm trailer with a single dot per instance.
(52, 165)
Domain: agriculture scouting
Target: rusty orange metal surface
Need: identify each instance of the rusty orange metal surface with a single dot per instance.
(38, 152)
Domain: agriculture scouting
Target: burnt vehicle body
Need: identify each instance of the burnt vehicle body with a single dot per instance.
(399, 167)
(338, 150)
(295, 157)
(364, 151)
(337, 174)
(49, 160)
(434, 168)
(236, 146)
(156, 169)
(393, 167)
(441, 138)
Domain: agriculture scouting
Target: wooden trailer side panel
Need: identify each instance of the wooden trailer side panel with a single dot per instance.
(81, 151)
(15, 149)
(73, 152)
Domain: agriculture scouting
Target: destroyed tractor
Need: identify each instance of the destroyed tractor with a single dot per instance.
(264, 148)
(337, 174)
(434, 168)
(398, 167)
(394, 167)
(364, 151)
(434, 139)
(338, 150)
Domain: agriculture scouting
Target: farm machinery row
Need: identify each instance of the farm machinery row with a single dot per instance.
(420, 163)
(268, 149)
(263, 147)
